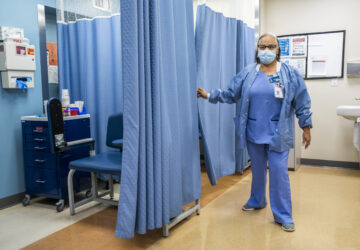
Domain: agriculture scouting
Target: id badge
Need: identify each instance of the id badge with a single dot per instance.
(278, 91)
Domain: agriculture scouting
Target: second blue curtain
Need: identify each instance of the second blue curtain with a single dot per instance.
(224, 46)
(90, 67)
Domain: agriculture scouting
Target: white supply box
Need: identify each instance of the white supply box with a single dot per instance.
(17, 59)
(17, 56)
(16, 40)
(10, 32)
(9, 79)
(17, 64)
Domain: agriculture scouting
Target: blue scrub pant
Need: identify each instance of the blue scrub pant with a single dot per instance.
(280, 196)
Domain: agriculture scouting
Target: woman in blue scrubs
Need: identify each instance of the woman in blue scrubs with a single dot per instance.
(269, 93)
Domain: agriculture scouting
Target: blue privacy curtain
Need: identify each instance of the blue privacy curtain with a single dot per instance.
(224, 46)
(245, 55)
(89, 55)
(161, 165)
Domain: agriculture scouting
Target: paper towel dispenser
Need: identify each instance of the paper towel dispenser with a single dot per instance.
(353, 69)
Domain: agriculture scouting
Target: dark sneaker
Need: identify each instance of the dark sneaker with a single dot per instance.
(288, 227)
(246, 207)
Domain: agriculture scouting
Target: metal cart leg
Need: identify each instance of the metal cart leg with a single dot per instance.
(71, 191)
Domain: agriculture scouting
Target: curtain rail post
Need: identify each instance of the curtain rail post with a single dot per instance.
(181, 217)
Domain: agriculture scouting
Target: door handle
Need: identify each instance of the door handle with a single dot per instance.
(39, 148)
(38, 131)
(40, 181)
(39, 161)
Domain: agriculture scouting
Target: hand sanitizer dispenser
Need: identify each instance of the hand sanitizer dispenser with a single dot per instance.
(17, 63)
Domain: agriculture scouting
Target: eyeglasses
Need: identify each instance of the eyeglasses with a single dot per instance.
(270, 46)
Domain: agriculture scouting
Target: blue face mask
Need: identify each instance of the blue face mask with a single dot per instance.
(266, 56)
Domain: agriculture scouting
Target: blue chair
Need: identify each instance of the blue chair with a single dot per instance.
(114, 133)
(108, 162)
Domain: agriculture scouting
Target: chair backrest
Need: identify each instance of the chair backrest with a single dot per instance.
(114, 129)
(56, 125)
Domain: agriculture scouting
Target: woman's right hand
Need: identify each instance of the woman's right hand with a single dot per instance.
(202, 93)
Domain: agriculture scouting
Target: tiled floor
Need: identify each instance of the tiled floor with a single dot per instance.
(97, 231)
(326, 209)
(20, 226)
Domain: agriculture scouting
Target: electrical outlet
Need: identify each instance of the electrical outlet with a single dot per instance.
(334, 82)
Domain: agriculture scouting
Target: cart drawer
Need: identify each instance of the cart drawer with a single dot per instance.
(41, 181)
(40, 159)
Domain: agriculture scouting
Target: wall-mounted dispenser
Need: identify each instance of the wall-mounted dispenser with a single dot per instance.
(353, 69)
(17, 62)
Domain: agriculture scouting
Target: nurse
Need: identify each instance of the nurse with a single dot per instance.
(269, 93)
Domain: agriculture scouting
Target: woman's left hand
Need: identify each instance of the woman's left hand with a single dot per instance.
(306, 137)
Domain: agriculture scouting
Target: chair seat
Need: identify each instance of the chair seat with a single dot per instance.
(106, 163)
(118, 143)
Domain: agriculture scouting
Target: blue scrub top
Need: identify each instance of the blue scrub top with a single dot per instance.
(264, 110)
(296, 100)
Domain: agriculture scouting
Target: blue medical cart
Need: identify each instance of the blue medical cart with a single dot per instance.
(46, 173)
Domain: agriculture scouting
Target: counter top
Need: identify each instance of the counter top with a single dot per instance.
(44, 118)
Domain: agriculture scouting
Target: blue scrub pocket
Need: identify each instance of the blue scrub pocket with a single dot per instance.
(273, 126)
(253, 130)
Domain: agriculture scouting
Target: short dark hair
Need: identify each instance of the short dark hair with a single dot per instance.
(257, 49)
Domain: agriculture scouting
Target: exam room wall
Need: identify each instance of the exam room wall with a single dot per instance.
(14, 103)
(332, 135)
(239, 9)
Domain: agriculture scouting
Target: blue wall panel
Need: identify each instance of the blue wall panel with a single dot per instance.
(14, 103)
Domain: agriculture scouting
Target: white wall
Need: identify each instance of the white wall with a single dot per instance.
(332, 136)
(239, 9)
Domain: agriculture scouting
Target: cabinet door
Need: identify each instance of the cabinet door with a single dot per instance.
(77, 129)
